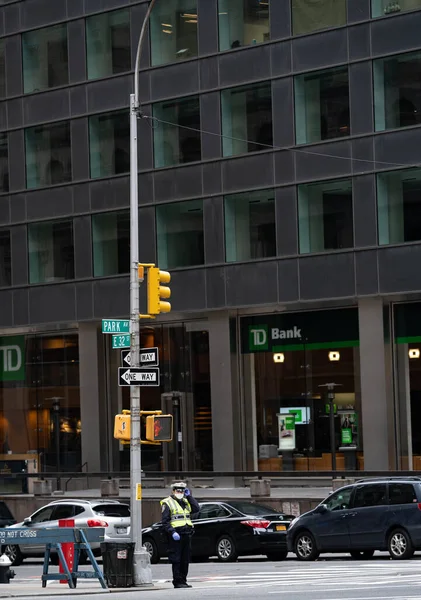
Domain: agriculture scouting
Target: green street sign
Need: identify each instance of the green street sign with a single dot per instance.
(121, 341)
(115, 326)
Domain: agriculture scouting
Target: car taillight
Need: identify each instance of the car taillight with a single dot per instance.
(96, 523)
(419, 505)
(257, 523)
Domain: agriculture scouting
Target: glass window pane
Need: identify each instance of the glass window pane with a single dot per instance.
(370, 495)
(402, 493)
(173, 31)
(111, 243)
(311, 15)
(48, 156)
(399, 206)
(250, 231)
(392, 7)
(2, 70)
(246, 119)
(322, 105)
(4, 163)
(397, 93)
(340, 500)
(108, 44)
(51, 251)
(45, 62)
(243, 22)
(109, 144)
(180, 234)
(325, 216)
(174, 141)
(5, 259)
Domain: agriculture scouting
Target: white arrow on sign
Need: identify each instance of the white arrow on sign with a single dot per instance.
(138, 376)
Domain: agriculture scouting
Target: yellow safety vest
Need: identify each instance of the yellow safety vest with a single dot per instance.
(179, 516)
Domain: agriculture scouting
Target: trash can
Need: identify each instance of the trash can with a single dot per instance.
(117, 561)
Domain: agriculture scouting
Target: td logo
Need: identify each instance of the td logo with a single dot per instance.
(12, 365)
(258, 337)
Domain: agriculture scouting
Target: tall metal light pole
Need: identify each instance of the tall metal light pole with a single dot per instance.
(142, 569)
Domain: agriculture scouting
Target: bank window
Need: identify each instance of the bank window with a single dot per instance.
(2, 70)
(322, 105)
(176, 133)
(370, 495)
(397, 91)
(399, 206)
(45, 58)
(392, 7)
(111, 243)
(243, 22)
(4, 163)
(246, 119)
(250, 231)
(311, 15)
(325, 216)
(109, 144)
(174, 31)
(51, 252)
(48, 155)
(5, 259)
(180, 234)
(108, 44)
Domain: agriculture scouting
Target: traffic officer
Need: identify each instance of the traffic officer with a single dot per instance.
(176, 520)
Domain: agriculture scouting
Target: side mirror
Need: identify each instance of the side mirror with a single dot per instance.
(27, 521)
(322, 509)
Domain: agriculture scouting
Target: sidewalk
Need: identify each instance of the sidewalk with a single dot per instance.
(26, 589)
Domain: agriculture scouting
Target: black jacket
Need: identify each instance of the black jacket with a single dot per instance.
(166, 515)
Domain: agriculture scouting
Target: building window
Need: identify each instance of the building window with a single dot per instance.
(108, 44)
(399, 206)
(48, 156)
(5, 259)
(250, 231)
(173, 31)
(51, 252)
(109, 142)
(311, 15)
(392, 7)
(111, 243)
(45, 61)
(175, 138)
(4, 163)
(325, 216)
(180, 234)
(243, 22)
(246, 119)
(322, 105)
(397, 91)
(2, 70)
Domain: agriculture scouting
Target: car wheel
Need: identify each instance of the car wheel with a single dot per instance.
(152, 550)
(225, 549)
(14, 554)
(400, 545)
(305, 546)
(277, 555)
(362, 555)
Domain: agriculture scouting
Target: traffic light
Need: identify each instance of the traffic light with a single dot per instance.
(156, 291)
(159, 428)
(122, 427)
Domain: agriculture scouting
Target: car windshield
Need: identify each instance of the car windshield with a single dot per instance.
(112, 510)
(5, 512)
(248, 508)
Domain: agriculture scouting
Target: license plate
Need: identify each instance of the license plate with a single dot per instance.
(121, 529)
(281, 528)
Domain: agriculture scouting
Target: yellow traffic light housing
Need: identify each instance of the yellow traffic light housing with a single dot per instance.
(157, 293)
(122, 427)
(159, 428)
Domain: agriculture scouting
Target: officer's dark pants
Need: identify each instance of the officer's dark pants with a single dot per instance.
(179, 557)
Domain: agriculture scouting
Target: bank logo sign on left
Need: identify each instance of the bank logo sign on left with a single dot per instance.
(259, 336)
(12, 358)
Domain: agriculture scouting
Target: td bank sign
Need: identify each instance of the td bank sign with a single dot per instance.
(260, 338)
(12, 358)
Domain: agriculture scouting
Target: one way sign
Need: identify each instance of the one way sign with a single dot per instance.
(148, 357)
(138, 376)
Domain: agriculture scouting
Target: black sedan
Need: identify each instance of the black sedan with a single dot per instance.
(228, 530)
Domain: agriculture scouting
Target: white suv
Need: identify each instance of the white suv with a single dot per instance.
(110, 514)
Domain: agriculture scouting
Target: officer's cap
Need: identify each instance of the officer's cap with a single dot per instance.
(178, 485)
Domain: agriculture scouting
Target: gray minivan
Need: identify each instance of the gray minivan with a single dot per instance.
(369, 515)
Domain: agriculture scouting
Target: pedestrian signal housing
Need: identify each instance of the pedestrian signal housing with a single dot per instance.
(122, 427)
(158, 293)
(159, 428)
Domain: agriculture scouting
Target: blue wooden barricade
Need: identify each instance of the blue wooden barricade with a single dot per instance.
(54, 538)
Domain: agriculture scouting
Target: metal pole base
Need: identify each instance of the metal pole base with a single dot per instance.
(142, 568)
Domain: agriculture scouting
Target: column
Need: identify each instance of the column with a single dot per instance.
(92, 397)
(373, 385)
(403, 411)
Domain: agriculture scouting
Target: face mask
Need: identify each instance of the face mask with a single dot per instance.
(179, 495)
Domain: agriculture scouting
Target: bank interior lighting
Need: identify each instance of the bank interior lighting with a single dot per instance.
(334, 356)
(278, 357)
(414, 353)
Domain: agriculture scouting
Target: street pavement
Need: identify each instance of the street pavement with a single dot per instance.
(331, 578)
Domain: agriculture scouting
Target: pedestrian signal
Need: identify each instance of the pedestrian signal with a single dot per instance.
(159, 428)
(122, 427)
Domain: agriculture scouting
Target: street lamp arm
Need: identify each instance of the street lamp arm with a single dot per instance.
(139, 52)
